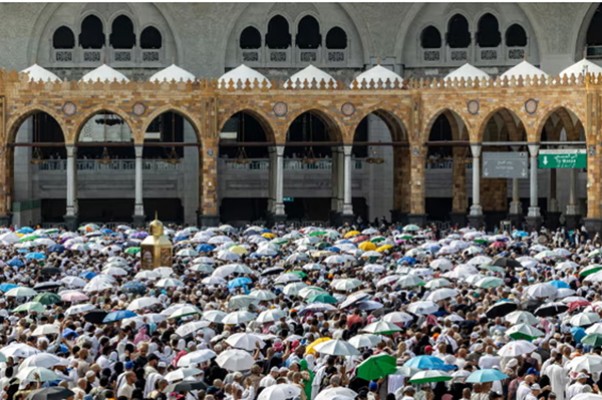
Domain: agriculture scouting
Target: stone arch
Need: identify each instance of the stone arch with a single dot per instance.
(568, 118)
(263, 120)
(458, 124)
(509, 118)
(331, 122)
(15, 122)
(73, 137)
(395, 124)
(194, 122)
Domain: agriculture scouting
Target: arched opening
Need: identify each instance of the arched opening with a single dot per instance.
(430, 38)
(105, 169)
(336, 39)
(447, 158)
(308, 33)
(488, 33)
(38, 178)
(305, 156)
(169, 154)
(63, 38)
(150, 38)
(250, 38)
(458, 35)
(380, 168)
(278, 36)
(244, 170)
(122, 33)
(568, 204)
(594, 33)
(92, 35)
(516, 36)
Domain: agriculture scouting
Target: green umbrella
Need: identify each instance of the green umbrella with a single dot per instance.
(322, 298)
(31, 306)
(300, 274)
(430, 376)
(593, 339)
(377, 239)
(322, 245)
(524, 332)
(376, 367)
(590, 269)
(317, 233)
(489, 282)
(406, 236)
(132, 250)
(47, 298)
(279, 241)
(494, 268)
(481, 241)
(411, 228)
(29, 238)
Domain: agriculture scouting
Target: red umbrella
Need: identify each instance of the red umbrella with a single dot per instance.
(578, 304)
(497, 245)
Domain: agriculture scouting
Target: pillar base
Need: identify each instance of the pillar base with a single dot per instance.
(5, 220)
(533, 223)
(572, 221)
(71, 222)
(274, 219)
(593, 225)
(516, 220)
(399, 217)
(139, 221)
(476, 221)
(417, 219)
(458, 218)
(553, 220)
(207, 220)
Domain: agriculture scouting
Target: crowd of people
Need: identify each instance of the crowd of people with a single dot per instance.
(380, 313)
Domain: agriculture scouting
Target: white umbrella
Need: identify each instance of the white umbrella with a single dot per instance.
(287, 278)
(21, 292)
(163, 272)
(20, 350)
(382, 327)
(480, 260)
(45, 360)
(423, 307)
(235, 360)
(226, 270)
(73, 296)
(595, 328)
(143, 302)
(37, 374)
(149, 275)
(245, 341)
(442, 264)
(263, 295)
(97, 285)
(398, 317)
(196, 357)
(521, 317)
(442, 294)
(46, 329)
(238, 317)
(185, 311)
(516, 348)
(542, 291)
(345, 285)
(169, 282)
(80, 309)
(214, 316)
(388, 280)
(365, 340)
(270, 315)
(282, 391)
(409, 281)
(114, 271)
(584, 319)
(336, 347)
(438, 283)
(241, 301)
(191, 327)
(373, 268)
(73, 282)
(590, 362)
(187, 253)
(336, 392)
(587, 396)
(293, 288)
(181, 374)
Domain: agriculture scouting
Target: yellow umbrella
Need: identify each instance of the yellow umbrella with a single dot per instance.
(268, 235)
(238, 250)
(384, 247)
(310, 349)
(367, 246)
(351, 234)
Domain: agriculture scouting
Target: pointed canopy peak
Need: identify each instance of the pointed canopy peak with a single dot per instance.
(581, 67)
(240, 75)
(172, 73)
(305, 77)
(467, 71)
(375, 75)
(104, 73)
(525, 70)
(37, 74)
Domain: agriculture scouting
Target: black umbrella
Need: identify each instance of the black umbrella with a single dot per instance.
(51, 393)
(186, 386)
(551, 309)
(272, 271)
(51, 271)
(48, 285)
(95, 317)
(501, 309)
(507, 262)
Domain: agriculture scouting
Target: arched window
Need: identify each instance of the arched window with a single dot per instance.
(63, 38)
(430, 38)
(250, 38)
(122, 33)
(150, 38)
(516, 36)
(458, 36)
(92, 36)
(336, 38)
(488, 33)
(278, 36)
(308, 33)
(594, 33)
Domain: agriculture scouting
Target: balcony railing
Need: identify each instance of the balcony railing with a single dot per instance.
(265, 57)
(113, 56)
(113, 165)
(290, 164)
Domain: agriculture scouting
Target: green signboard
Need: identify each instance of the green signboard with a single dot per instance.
(288, 199)
(562, 158)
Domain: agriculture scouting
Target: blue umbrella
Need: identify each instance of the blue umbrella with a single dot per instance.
(578, 333)
(181, 238)
(25, 230)
(237, 282)
(520, 234)
(5, 287)
(205, 248)
(559, 284)
(69, 332)
(428, 362)
(87, 275)
(406, 259)
(106, 231)
(16, 262)
(56, 248)
(486, 375)
(118, 316)
(134, 287)
(35, 256)
(333, 249)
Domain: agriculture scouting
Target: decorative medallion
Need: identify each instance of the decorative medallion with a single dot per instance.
(531, 106)
(280, 109)
(415, 151)
(210, 152)
(473, 107)
(348, 109)
(69, 108)
(138, 109)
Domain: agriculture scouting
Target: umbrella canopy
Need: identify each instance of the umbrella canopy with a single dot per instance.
(592, 339)
(589, 362)
(501, 309)
(282, 391)
(376, 367)
(118, 316)
(45, 360)
(336, 348)
(365, 340)
(381, 328)
(524, 331)
(423, 307)
(37, 374)
(235, 360)
(46, 329)
(245, 341)
(429, 377)
(51, 393)
(584, 319)
(196, 357)
(521, 317)
(339, 392)
(516, 348)
(551, 309)
(486, 375)
(428, 363)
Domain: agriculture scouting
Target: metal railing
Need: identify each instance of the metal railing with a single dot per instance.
(290, 164)
(112, 165)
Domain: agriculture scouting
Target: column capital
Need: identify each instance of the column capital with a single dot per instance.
(138, 149)
(533, 149)
(279, 150)
(475, 149)
(71, 150)
(347, 149)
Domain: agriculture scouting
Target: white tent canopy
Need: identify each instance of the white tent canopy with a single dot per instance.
(305, 78)
(524, 70)
(376, 74)
(581, 67)
(104, 73)
(172, 73)
(240, 75)
(467, 71)
(37, 74)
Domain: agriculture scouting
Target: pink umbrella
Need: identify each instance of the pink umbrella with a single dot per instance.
(498, 245)
(74, 296)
